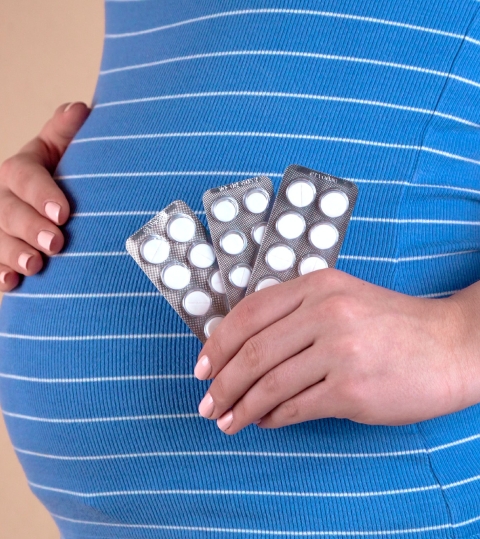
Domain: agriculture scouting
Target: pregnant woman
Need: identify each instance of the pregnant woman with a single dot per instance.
(366, 381)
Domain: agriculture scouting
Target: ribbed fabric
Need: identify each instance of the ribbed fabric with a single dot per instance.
(96, 369)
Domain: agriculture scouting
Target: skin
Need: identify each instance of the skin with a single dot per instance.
(330, 345)
(26, 187)
(324, 345)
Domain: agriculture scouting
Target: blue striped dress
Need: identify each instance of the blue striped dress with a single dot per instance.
(96, 370)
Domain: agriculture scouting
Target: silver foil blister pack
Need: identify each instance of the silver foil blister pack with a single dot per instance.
(307, 226)
(174, 251)
(237, 216)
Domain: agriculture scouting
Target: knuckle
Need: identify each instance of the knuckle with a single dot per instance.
(271, 382)
(8, 168)
(341, 307)
(215, 349)
(219, 392)
(246, 311)
(9, 207)
(242, 410)
(351, 348)
(289, 410)
(253, 352)
(327, 278)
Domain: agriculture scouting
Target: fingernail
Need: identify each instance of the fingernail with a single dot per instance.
(45, 239)
(23, 260)
(3, 277)
(225, 421)
(257, 422)
(205, 408)
(52, 209)
(70, 105)
(203, 368)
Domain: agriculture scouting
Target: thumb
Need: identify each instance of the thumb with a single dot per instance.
(50, 145)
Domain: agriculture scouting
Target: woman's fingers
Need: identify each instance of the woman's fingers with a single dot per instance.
(9, 279)
(28, 174)
(259, 357)
(315, 402)
(18, 255)
(32, 183)
(57, 134)
(249, 317)
(20, 220)
(278, 385)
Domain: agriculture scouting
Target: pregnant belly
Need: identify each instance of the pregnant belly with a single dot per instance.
(96, 370)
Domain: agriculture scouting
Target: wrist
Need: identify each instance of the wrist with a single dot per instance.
(464, 343)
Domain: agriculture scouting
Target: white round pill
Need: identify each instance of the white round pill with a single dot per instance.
(256, 200)
(225, 209)
(201, 255)
(233, 242)
(175, 276)
(211, 324)
(267, 282)
(155, 249)
(334, 203)
(240, 275)
(280, 257)
(196, 302)
(311, 263)
(181, 228)
(290, 225)
(323, 235)
(258, 232)
(216, 282)
(301, 193)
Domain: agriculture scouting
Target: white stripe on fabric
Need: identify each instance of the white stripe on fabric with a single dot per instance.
(164, 173)
(293, 136)
(336, 533)
(313, 55)
(100, 419)
(347, 257)
(93, 253)
(295, 12)
(438, 294)
(417, 185)
(356, 218)
(462, 482)
(270, 174)
(261, 454)
(147, 294)
(192, 492)
(96, 379)
(289, 95)
(417, 221)
(120, 213)
(95, 337)
(406, 258)
(455, 443)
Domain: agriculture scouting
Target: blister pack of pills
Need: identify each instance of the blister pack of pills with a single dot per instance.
(174, 252)
(237, 216)
(306, 229)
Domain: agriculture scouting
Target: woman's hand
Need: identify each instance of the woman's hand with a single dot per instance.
(330, 345)
(31, 203)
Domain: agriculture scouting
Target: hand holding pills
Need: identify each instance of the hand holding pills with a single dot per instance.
(330, 345)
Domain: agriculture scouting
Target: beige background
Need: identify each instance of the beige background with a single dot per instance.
(49, 54)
